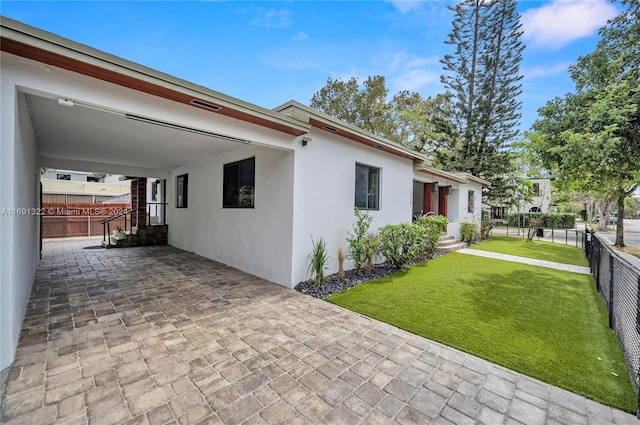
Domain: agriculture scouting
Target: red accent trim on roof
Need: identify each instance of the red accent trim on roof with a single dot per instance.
(361, 139)
(74, 65)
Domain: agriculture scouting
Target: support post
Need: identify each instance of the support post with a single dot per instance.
(611, 316)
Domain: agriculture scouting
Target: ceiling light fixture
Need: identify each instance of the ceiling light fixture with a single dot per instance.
(187, 129)
(65, 102)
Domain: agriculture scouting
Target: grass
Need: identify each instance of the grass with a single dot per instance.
(539, 250)
(545, 323)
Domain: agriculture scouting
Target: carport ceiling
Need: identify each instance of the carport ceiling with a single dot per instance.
(84, 134)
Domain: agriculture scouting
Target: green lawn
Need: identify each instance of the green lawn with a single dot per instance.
(545, 323)
(539, 250)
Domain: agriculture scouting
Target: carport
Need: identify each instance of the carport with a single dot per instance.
(67, 106)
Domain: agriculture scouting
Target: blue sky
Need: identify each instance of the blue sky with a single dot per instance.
(270, 52)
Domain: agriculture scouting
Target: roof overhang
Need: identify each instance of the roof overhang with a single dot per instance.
(333, 125)
(32, 43)
(470, 178)
(427, 170)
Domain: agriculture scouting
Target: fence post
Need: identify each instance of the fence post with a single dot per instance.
(611, 317)
(638, 330)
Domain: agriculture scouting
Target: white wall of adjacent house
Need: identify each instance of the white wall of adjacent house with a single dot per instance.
(324, 195)
(256, 240)
(19, 231)
(470, 203)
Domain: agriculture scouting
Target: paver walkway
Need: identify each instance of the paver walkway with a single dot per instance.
(525, 260)
(157, 335)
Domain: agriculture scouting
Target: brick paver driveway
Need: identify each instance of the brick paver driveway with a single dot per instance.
(157, 335)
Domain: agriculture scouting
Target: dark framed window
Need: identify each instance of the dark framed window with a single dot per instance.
(471, 202)
(63, 176)
(238, 186)
(182, 191)
(536, 189)
(154, 190)
(367, 187)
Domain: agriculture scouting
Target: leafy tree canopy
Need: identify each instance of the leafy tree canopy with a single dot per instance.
(590, 139)
(407, 118)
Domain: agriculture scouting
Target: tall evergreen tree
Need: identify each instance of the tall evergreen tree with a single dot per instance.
(484, 76)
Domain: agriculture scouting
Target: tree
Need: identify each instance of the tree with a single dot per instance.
(407, 118)
(591, 138)
(483, 75)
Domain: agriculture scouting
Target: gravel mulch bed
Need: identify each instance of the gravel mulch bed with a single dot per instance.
(333, 284)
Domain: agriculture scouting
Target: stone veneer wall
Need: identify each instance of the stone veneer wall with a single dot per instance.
(150, 235)
(139, 202)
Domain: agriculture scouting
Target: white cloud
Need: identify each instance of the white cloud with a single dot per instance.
(414, 73)
(415, 79)
(273, 19)
(558, 23)
(300, 36)
(405, 6)
(545, 71)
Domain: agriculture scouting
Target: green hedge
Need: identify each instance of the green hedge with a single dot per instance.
(551, 221)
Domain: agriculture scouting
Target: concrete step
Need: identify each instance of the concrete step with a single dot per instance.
(448, 242)
(445, 238)
(452, 247)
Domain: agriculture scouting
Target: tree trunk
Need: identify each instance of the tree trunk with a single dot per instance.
(604, 209)
(620, 221)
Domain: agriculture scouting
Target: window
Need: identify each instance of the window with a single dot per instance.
(63, 177)
(93, 179)
(367, 187)
(182, 190)
(471, 202)
(154, 191)
(536, 189)
(239, 184)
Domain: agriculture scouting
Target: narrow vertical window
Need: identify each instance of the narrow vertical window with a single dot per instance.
(367, 188)
(182, 190)
(471, 202)
(154, 191)
(239, 184)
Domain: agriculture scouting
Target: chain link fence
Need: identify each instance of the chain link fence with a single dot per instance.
(618, 282)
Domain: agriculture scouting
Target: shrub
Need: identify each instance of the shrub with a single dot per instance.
(486, 225)
(401, 243)
(433, 225)
(318, 260)
(551, 220)
(469, 231)
(362, 244)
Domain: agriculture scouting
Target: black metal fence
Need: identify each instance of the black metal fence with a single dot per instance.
(567, 236)
(618, 282)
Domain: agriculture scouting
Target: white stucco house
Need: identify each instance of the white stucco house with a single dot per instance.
(245, 185)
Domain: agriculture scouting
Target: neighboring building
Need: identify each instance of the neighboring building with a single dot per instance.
(79, 176)
(541, 201)
(73, 187)
(244, 185)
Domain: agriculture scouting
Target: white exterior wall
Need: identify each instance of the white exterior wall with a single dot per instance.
(19, 244)
(324, 195)
(543, 200)
(256, 240)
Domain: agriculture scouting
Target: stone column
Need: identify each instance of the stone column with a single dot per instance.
(139, 202)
